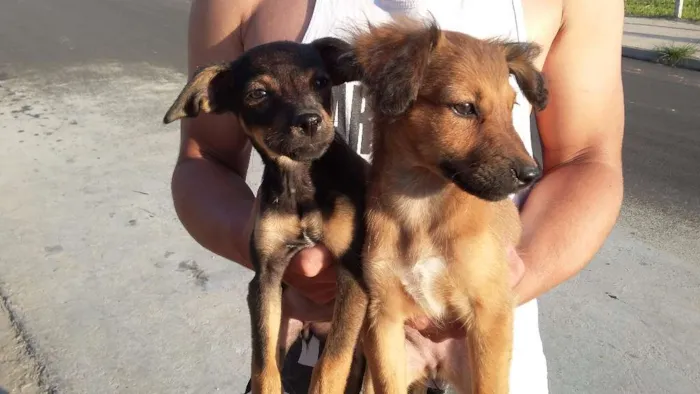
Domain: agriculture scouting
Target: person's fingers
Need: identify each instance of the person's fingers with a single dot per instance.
(320, 329)
(324, 296)
(289, 330)
(420, 354)
(297, 306)
(436, 332)
(419, 323)
(318, 293)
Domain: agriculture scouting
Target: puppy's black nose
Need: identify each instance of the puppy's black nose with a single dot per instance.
(308, 121)
(527, 174)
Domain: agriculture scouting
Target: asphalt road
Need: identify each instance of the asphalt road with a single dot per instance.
(103, 291)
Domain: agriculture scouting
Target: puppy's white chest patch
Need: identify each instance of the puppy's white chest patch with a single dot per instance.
(420, 282)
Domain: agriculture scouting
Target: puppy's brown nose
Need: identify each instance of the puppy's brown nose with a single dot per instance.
(308, 121)
(527, 174)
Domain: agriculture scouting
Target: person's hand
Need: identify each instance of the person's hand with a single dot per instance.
(311, 277)
(456, 330)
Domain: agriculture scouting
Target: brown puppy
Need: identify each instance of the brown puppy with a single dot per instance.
(445, 159)
(313, 191)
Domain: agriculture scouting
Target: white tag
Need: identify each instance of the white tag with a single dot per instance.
(309, 352)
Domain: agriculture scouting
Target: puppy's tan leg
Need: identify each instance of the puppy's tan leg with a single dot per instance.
(415, 378)
(272, 246)
(385, 347)
(344, 237)
(332, 370)
(265, 305)
(490, 348)
(357, 371)
(385, 338)
(367, 384)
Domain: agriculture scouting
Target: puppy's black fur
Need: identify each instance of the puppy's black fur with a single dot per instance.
(313, 189)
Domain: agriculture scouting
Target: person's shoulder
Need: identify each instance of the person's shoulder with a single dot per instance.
(587, 11)
(215, 20)
(214, 36)
(228, 9)
(215, 29)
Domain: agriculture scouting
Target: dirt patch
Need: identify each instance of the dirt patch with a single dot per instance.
(19, 372)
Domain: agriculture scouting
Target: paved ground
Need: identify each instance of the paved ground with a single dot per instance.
(108, 293)
(644, 35)
(647, 33)
(19, 368)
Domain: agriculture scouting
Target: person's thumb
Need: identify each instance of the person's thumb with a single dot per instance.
(310, 262)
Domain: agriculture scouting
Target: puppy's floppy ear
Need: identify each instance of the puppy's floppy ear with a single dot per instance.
(339, 59)
(520, 57)
(202, 93)
(394, 58)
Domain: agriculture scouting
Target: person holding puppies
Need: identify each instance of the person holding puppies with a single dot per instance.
(566, 216)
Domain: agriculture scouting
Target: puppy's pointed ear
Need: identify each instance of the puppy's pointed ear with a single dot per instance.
(520, 57)
(339, 59)
(202, 93)
(394, 58)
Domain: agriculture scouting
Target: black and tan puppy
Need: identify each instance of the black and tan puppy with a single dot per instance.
(313, 190)
(445, 158)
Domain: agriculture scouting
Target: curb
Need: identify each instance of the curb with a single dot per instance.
(651, 55)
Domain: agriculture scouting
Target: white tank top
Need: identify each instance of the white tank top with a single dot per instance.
(479, 18)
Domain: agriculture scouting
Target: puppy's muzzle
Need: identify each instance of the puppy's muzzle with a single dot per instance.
(491, 181)
(526, 174)
(308, 122)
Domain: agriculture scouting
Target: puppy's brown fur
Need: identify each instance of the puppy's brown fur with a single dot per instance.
(445, 159)
(313, 191)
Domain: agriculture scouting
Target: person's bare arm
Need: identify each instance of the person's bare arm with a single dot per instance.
(572, 210)
(210, 195)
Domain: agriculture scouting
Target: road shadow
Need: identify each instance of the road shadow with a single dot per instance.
(3, 391)
(665, 27)
(664, 37)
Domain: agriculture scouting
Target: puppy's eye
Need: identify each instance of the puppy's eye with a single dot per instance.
(321, 82)
(464, 109)
(257, 94)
